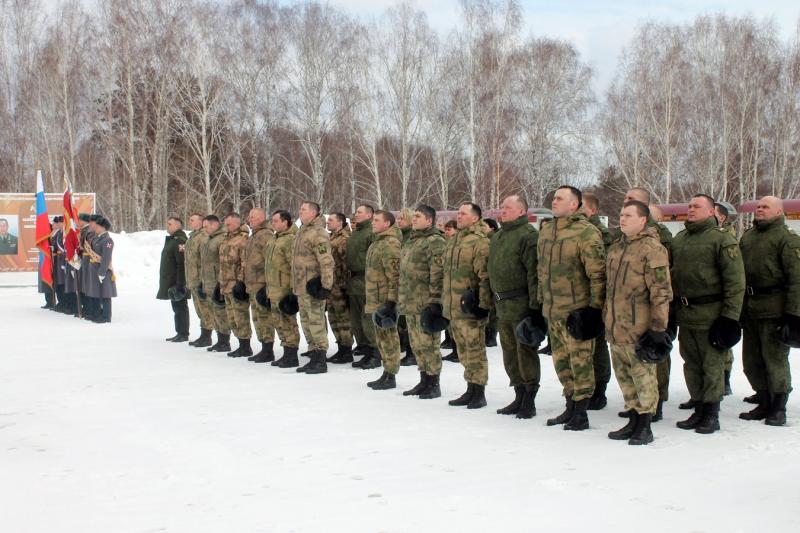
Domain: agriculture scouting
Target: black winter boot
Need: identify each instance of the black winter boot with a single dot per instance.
(417, 389)
(761, 410)
(728, 390)
(223, 343)
(598, 399)
(289, 359)
(372, 360)
(579, 420)
(203, 340)
(178, 337)
(409, 359)
(385, 382)
(564, 417)
(243, 350)
(478, 398)
(642, 434)
(528, 407)
(447, 343)
(452, 356)
(464, 398)
(710, 422)
(777, 411)
(266, 355)
(513, 407)
(432, 390)
(625, 414)
(318, 363)
(751, 399)
(490, 337)
(626, 431)
(547, 350)
(694, 420)
(689, 404)
(659, 412)
(343, 355)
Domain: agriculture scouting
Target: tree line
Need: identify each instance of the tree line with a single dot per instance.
(164, 106)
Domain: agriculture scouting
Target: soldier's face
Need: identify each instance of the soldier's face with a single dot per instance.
(419, 222)
(379, 224)
(3, 228)
(449, 231)
(333, 223)
(510, 210)
(465, 218)
(278, 224)
(564, 203)
(210, 227)
(765, 210)
(256, 217)
(699, 210)
(403, 222)
(172, 226)
(195, 222)
(630, 221)
(307, 213)
(361, 214)
(232, 224)
(636, 195)
(205, 224)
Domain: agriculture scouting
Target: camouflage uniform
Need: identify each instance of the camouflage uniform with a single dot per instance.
(571, 273)
(638, 294)
(210, 266)
(512, 273)
(464, 267)
(357, 245)
(706, 265)
(601, 361)
(255, 280)
(421, 285)
(231, 270)
(311, 257)
(194, 278)
(278, 268)
(338, 306)
(381, 286)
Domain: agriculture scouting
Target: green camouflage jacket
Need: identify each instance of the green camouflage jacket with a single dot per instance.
(191, 258)
(464, 267)
(383, 269)
(421, 270)
(232, 258)
(278, 264)
(311, 256)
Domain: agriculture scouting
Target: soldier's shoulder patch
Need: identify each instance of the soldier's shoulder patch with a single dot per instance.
(661, 273)
(322, 248)
(732, 251)
(438, 260)
(109, 245)
(181, 247)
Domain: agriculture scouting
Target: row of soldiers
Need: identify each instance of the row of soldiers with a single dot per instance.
(574, 282)
(84, 285)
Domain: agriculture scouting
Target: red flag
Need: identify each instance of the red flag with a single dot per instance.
(43, 233)
(70, 224)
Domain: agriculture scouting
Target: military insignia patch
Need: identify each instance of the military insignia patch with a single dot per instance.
(323, 248)
(660, 273)
(181, 247)
(109, 245)
(733, 251)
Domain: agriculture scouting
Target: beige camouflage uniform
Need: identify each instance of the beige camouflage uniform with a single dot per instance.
(278, 268)
(231, 270)
(255, 279)
(311, 257)
(638, 293)
(194, 277)
(338, 307)
(209, 258)
(381, 286)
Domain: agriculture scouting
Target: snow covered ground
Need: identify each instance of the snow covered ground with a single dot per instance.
(115, 430)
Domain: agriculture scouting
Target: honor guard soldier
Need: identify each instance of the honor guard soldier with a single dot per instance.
(102, 282)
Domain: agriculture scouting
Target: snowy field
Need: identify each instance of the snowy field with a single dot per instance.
(115, 430)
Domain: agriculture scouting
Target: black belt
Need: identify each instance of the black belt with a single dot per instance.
(699, 300)
(760, 291)
(357, 273)
(514, 293)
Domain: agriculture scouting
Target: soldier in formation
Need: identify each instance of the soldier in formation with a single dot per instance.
(172, 278)
(192, 260)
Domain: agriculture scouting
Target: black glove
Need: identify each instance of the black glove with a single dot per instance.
(653, 346)
(672, 322)
(532, 329)
(201, 293)
(261, 298)
(789, 331)
(217, 297)
(470, 304)
(177, 293)
(585, 324)
(432, 320)
(386, 316)
(315, 289)
(724, 333)
(288, 305)
(240, 291)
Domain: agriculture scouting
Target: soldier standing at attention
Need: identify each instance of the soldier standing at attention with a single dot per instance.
(382, 280)
(361, 323)
(102, 282)
(722, 212)
(466, 300)
(231, 282)
(450, 229)
(209, 259)
(338, 305)
(404, 224)
(85, 238)
(312, 279)
(708, 283)
(512, 273)
(638, 295)
(421, 295)
(572, 285)
(771, 313)
(194, 279)
(172, 278)
(255, 281)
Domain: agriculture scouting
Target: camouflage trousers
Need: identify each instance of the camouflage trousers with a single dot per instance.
(637, 380)
(703, 365)
(312, 320)
(238, 317)
(470, 338)
(601, 361)
(389, 346)
(339, 318)
(728, 360)
(361, 323)
(572, 360)
(286, 326)
(663, 370)
(219, 315)
(265, 329)
(765, 359)
(425, 346)
(520, 360)
(203, 309)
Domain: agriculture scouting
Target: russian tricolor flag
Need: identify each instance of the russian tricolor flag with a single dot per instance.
(43, 233)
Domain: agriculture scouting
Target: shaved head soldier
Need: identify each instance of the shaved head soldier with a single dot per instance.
(232, 254)
(194, 279)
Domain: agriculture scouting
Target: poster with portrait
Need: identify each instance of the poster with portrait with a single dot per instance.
(9, 234)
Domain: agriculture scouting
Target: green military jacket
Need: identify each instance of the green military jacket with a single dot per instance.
(254, 276)
(421, 271)
(278, 264)
(706, 262)
(191, 259)
(357, 245)
(638, 287)
(311, 256)
(771, 255)
(341, 275)
(383, 269)
(464, 267)
(571, 266)
(209, 259)
(512, 269)
(232, 258)
(608, 238)
(172, 272)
